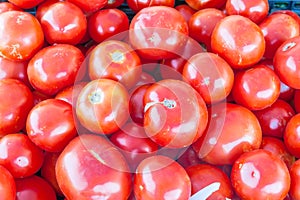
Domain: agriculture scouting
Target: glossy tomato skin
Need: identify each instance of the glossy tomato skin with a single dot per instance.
(269, 26)
(61, 28)
(295, 180)
(50, 125)
(16, 102)
(251, 178)
(189, 158)
(90, 6)
(134, 144)
(34, 188)
(70, 94)
(171, 106)
(7, 184)
(25, 4)
(277, 147)
(102, 106)
(107, 23)
(115, 60)
(54, 68)
(137, 5)
(186, 11)
(286, 63)
(7, 6)
(148, 34)
(256, 10)
(43, 7)
(20, 155)
(169, 180)
(255, 91)
(228, 135)
(20, 45)
(210, 75)
(91, 167)
(274, 118)
(202, 23)
(203, 175)
(291, 136)
(202, 4)
(239, 41)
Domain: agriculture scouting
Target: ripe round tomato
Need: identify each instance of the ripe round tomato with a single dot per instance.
(25, 4)
(232, 130)
(54, 68)
(61, 28)
(255, 91)
(16, 44)
(274, 118)
(256, 10)
(90, 167)
(50, 125)
(160, 177)
(251, 176)
(7, 6)
(102, 106)
(291, 136)
(89, 6)
(202, 24)
(186, 11)
(158, 32)
(286, 62)
(175, 114)
(295, 180)
(115, 60)
(137, 5)
(34, 188)
(238, 40)
(107, 23)
(16, 102)
(214, 183)
(202, 4)
(20, 155)
(210, 75)
(7, 184)
(288, 26)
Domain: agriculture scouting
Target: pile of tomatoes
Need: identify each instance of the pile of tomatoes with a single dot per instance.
(190, 101)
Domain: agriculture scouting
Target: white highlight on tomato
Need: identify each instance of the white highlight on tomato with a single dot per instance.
(204, 193)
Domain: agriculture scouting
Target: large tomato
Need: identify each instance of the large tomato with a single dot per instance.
(7, 184)
(90, 167)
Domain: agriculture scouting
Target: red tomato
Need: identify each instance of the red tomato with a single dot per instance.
(175, 114)
(256, 10)
(54, 68)
(134, 144)
(255, 91)
(16, 44)
(38, 97)
(274, 118)
(295, 180)
(239, 41)
(186, 11)
(16, 102)
(27, 4)
(107, 23)
(102, 106)
(90, 167)
(70, 94)
(115, 60)
(189, 158)
(34, 188)
(297, 101)
(137, 5)
(286, 62)
(291, 135)
(91, 5)
(160, 177)
(48, 171)
(43, 7)
(277, 147)
(20, 155)
(202, 24)
(232, 130)
(158, 32)
(61, 28)
(251, 176)
(288, 26)
(50, 125)
(289, 12)
(7, 184)
(210, 75)
(213, 182)
(201, 4)
(7, 6)
(114, 3)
